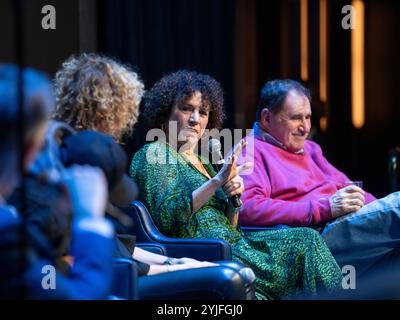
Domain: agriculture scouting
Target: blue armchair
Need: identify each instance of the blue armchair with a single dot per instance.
(224, 282)
(150, 238)
(230, 280)
(125, 280)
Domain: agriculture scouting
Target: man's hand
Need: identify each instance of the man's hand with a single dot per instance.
(345, 200)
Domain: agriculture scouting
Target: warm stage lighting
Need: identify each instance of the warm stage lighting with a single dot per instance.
(323, 123)
(357, 66)
(323, 51)
(304, 39)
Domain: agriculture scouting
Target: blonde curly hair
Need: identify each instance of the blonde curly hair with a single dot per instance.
(94, 92)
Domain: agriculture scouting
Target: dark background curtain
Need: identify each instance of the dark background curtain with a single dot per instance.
(162, 36)
(242, 43)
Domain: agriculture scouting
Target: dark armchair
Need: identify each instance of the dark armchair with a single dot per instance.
(224, 282)
(150, 238)
(230, 280)
(125, 280)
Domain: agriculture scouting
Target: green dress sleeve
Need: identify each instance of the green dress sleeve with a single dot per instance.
(164, 190)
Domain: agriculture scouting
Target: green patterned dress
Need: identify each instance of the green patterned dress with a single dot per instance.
(286, 261)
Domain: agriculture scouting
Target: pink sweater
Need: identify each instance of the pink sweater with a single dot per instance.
(288, 188)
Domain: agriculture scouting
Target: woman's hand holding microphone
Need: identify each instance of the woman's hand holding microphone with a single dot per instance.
(228, 177)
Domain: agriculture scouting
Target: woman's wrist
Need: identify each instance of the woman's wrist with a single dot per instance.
(232, 209)
(216, 181)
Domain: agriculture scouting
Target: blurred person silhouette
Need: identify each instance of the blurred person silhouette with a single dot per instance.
(25, 251)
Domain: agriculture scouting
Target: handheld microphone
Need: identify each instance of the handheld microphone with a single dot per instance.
(214, 147)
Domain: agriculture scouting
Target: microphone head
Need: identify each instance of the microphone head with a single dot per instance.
(214, 146)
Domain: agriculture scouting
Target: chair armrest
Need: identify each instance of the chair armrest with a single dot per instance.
(153, 247)
(146, 231)
(125, 279)
(211, 283)
(200, 249)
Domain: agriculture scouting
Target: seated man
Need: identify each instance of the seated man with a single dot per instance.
(26, 256)
(293, 184)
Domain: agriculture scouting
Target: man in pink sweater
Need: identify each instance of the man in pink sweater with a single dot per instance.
(293, 184)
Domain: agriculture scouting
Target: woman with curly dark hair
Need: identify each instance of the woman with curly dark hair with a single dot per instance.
(188, 199)
(179, 87)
